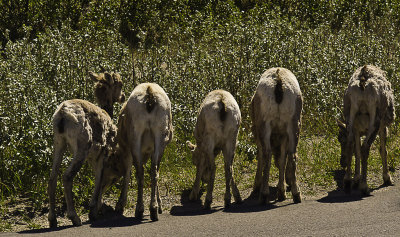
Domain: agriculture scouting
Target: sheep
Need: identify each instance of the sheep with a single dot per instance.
(90, 134)
(107, 90)
(368, 111)
(276, 116)
(144, 129)
(216, 130)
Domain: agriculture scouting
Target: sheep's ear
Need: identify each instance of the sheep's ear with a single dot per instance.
(109, 78)
(94, 76)
(341, 124)
(191, 145)
(116, 76)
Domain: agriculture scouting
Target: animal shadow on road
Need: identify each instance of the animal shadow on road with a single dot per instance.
(110, 218)
(339, 196)
(191, 208)
(194, 208)
(45, 230)
(252, 204)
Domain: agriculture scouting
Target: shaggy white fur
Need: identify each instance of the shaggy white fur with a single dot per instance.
(276, 115)
(216, 130)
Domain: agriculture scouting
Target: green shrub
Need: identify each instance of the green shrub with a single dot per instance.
(201, 48)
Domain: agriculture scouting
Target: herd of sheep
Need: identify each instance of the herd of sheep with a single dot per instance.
(145, 128)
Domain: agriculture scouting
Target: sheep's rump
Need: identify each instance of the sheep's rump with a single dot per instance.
(368, 85)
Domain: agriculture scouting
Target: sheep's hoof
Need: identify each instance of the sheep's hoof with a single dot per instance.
(387, 181)
(281, 195)
(76, 221)
(53, 223)
(139, 214)
(264, 199)
(255, 193)
(288, 187)
(356, 184)
(153, 214)
(364, 190)
(347, 186)
(159, 210)
(207, 205)
(227, 203)
(119, 211)
(297, 198)
(92, 216)
(119, 208)
(193, 196)
(238, 200)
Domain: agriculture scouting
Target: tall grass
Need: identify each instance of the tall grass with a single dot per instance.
(198, 56)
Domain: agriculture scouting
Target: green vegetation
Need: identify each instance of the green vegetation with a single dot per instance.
(189, 47)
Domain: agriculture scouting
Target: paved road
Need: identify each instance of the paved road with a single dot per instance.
(336, 214)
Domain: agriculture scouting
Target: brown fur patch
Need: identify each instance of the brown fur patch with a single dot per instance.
(222, 110)
(60, 125)
(363, 77)
(278, 92)
(150, 100)
(96, 123)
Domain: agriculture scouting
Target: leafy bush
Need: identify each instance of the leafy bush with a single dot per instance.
(191, 50)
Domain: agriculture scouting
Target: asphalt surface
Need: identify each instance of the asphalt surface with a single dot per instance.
(335, 214)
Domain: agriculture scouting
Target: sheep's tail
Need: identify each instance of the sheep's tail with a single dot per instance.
(59, 120)
(222, 109)
(363, 77)
(278, 88)
(62, 117)
(60, 125)
(150, 99)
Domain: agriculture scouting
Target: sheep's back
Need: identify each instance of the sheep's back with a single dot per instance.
(211, 122)
(269, 108)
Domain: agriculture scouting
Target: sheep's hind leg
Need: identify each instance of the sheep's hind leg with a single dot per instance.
(159, 201)
(68, 178)
(357, 177)
(266, 163)
(138, 160)
(210, 185)
(288, 161)
(59, 148)
(158, 191)
(372, 133)
(119, 207)
(154, 181)
(349, 149)
(258, 177)
(282, 161)
(229, 180)
(194, 194)
(291, 177)
(387, 179)
(95, 203)
(153, 201)
(140, 181)
(264, 192)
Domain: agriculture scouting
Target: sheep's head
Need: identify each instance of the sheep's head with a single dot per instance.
(113, 170)
(342, 138)
(108, 90)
